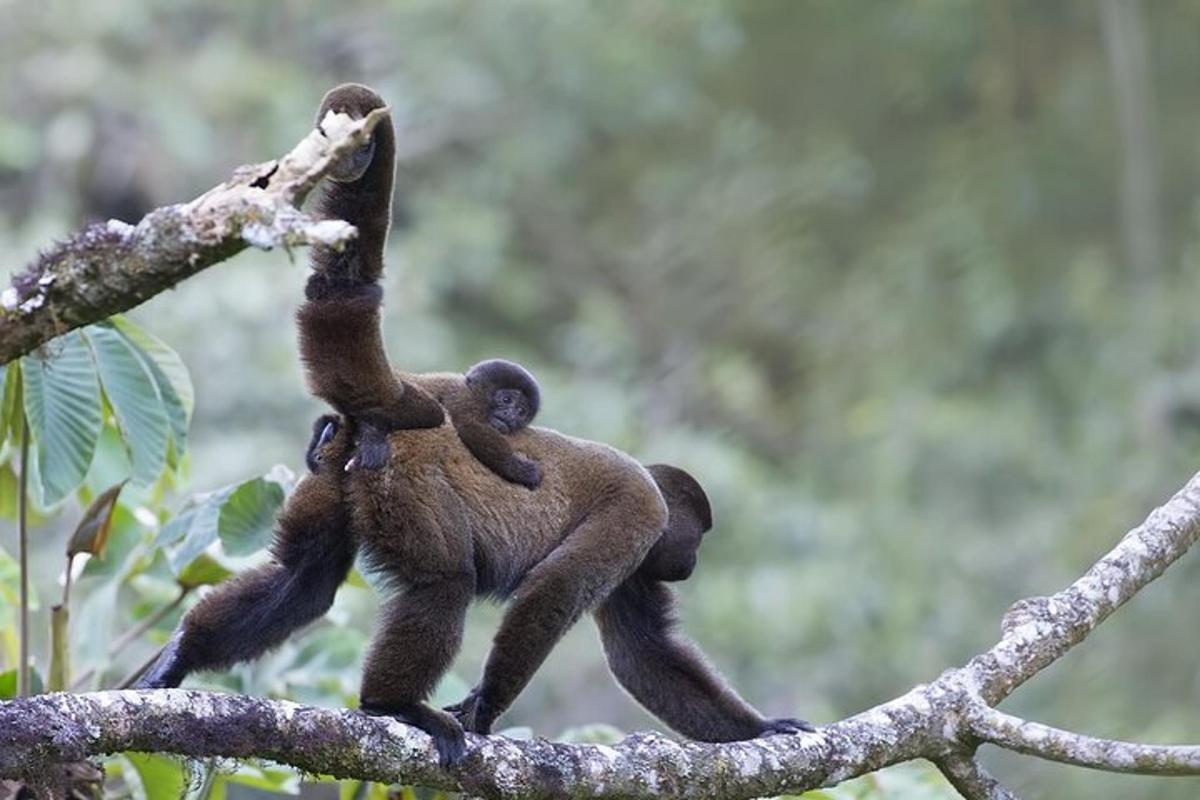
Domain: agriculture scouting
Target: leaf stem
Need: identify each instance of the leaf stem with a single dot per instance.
(66, 601)
(149, 622)
(23, 555)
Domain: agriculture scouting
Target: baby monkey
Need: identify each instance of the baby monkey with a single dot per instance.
(493, 399)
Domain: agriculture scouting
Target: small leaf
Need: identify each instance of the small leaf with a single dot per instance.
(356, 580)
(135, 398)
(10, 401)
(199, 526)
(91, 534)
(62, 404)
(204, 570)
(8, 683)
(248, 516)
(3, 407)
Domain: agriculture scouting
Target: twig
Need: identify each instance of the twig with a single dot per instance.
(1110, 755)
(971, 780)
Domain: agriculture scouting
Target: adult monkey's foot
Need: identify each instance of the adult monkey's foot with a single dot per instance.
(786, 725)
(447, 734)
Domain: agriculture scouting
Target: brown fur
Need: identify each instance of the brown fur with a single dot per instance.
(673, 557)
(437, 524)
(470, 406)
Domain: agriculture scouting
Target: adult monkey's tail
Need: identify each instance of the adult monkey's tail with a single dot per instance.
(341, 344)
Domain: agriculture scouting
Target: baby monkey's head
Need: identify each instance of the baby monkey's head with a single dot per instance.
(509, 390)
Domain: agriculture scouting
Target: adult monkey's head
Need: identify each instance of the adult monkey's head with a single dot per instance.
(372, 162)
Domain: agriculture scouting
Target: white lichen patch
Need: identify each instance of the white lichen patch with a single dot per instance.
(329, 232)
(8, 299)
(119, 227)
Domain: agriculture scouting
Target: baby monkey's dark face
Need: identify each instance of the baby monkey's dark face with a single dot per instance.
(510, 410)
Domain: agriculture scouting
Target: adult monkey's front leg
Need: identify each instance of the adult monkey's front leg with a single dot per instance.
(669, 675)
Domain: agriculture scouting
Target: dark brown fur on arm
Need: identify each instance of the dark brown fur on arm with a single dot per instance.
(668, 674)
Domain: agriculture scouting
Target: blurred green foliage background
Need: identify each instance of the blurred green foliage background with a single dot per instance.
(910, 287)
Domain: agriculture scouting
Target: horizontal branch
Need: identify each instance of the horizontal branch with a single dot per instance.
(940, 721)
(1054, 744)
(111, 267)
(41, 731)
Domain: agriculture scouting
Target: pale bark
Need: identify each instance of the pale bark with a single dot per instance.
(943, 721)
(111, 267)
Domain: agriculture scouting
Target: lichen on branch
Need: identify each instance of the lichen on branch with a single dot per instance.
(110, 267)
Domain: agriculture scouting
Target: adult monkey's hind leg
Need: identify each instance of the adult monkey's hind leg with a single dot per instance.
(257, 610)
(419, 632)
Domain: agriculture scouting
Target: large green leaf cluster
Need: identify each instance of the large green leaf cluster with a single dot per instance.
(111, 373)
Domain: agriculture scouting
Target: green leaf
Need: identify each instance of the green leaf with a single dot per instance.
(3, 406)
(8, 683)
(10, 400)
(204, 570)
(62, 404)
(159, 776)
(248, 516)
(135, 398)
(170, 374)
(194, 529)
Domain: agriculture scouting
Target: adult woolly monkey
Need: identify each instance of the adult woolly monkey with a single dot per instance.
(441, 528)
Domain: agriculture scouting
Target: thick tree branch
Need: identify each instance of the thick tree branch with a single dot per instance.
(1053, 744)
(942, 721)
(112, 267)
